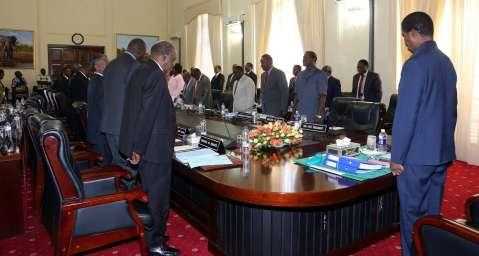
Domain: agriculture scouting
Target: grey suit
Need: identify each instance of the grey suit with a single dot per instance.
(274, 92)
(202, 92)
(115, 81)
(189, 91)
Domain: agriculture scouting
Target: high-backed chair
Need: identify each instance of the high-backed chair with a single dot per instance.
(82, 158)
(437, 236)
(88, 210)
(339, 111)
(362, 116)
(389, 115)
(472, 211)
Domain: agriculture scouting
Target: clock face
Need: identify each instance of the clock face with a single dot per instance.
(78, 39)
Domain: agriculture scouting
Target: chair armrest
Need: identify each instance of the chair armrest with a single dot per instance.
(104, 172)
(78, 145)
(129, 196)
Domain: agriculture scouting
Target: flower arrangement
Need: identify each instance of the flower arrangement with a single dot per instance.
(270, 158)
(277, 135)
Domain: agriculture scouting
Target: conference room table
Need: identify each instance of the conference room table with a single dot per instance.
(273, 206)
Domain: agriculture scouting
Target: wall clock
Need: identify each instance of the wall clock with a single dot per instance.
(78, 39)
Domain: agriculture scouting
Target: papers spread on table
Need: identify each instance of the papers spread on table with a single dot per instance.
(202, 157)
(184, 148)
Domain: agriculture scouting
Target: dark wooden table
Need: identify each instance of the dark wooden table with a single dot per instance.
(275, 207)
(11, 204)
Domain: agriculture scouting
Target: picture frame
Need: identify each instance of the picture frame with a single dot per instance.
(122, 41)
(16, 49)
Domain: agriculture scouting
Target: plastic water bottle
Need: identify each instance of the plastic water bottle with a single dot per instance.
(223, 109)
(382, 141)
(297, 120)
(245, 145)
(201, 109)
(254, 115)
(203, 128)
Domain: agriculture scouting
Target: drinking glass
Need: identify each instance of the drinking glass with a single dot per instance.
(371, 142)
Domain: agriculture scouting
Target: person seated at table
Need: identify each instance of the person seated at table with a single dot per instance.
(19, 87)
(244, 91)
(43, 79)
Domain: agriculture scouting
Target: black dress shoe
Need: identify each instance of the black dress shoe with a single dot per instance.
(164, 250)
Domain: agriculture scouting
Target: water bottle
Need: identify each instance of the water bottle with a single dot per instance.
(201, 109)
(255, 116)
(9, 139)
(203, 127)
(245, 145)
(297, 120)
(382, 141)
(223, 109)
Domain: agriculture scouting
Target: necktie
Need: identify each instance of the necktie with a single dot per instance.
(360, 92)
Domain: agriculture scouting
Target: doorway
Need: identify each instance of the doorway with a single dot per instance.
(60, 56)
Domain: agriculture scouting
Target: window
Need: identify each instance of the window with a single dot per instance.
(203, 56)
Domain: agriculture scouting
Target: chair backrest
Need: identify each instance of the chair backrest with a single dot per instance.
(81, 108)
(59, 162)
(389, 116)
(339, 110)
(34, 123)
(363, 116)
(437, 236)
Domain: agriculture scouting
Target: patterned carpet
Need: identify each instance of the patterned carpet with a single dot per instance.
(462, 182)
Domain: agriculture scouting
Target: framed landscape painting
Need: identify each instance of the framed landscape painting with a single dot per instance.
(16, 49)
(122, 41)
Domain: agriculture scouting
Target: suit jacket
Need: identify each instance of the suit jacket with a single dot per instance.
(202, 92)
(229, 84)
(372, 87)
(426, 111)
(253, 76)
(78, 89)
(274, 93)
(95, 108)
(334, 90)
(116, 77)
(217, 82)
(149, 123)
(189, 91)
(61, 84)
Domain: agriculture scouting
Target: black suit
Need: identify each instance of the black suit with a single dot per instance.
(217, 83)
(372, 87)
(61, 84)
(78, 89)
(334, 90)
(95, 112)
(148, 128)
(116, 77)
(253, 76)
(228, 92)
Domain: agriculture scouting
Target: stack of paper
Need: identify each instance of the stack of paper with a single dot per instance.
(202, 157)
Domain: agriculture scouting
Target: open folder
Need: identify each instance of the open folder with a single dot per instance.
(202, 157)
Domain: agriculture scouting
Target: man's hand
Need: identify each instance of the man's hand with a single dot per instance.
(135, 158)
(396, 169)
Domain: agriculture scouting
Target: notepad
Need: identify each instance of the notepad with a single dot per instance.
(202, 157)
(184, 148)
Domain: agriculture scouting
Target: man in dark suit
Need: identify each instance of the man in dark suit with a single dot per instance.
(202, 92)
(274, 88)
(217, 83)
(228, 90)
(189, 89)
(248, 68)
(63, 81)
(95, 110)
(148, 136)
(116, 77)
(367, 84)
(292, 85)
(79, 85)
(424, 125)
(334, 86)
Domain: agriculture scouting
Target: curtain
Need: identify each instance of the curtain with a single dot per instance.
(262, 26)
(203, 57)
(215, 24)
(456, 35)
(191, 35)
(310, 15)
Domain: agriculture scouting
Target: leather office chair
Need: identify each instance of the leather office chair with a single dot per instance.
(81, 109)
(88, 210)
(339, 111)
(438, 236)
(472, 211)
(82, 158)
(389, 115)
(362, 116)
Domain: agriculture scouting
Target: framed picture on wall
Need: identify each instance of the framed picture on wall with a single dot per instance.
(16, 49)
(122, 41)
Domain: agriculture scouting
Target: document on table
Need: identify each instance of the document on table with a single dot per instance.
(202, 157)
(184, 148)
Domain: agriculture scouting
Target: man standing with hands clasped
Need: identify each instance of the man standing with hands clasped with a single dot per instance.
(148, 135)
(424, 124)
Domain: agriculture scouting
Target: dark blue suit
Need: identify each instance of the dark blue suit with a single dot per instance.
(423, 134)
(95, 112)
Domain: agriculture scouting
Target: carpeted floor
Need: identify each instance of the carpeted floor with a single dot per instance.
(462, 182)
